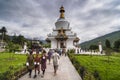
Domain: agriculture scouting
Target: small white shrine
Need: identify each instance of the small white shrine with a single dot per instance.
(62, 36)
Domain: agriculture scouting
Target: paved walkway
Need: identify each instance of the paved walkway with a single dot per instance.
(66, 71)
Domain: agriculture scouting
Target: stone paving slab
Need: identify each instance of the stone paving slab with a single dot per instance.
(66, 71)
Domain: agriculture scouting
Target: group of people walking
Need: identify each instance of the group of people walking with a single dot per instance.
(38, 61)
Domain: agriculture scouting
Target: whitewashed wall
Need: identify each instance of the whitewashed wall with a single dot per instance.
(53, 44)
(69, 44)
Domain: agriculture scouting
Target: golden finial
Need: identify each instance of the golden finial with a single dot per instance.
(62, 12)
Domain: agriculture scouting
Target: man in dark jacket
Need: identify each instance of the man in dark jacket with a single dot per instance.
(37, 64)
(30, 63)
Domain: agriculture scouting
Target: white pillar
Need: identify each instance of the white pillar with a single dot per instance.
(100, 47)
(76, 50)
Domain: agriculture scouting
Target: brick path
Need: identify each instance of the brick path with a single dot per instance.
(66, 71)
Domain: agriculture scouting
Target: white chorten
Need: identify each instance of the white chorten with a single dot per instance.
(62, 36)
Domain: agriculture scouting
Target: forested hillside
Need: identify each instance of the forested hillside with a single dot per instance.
(112, 37)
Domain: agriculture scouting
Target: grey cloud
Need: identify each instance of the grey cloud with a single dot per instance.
(40, 16)
(113, 4)
(25, 25)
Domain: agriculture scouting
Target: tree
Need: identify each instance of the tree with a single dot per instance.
(19, 40)
(3, 31)
(93, 47)
(107, 43)
(6, 38)
(14, 39)
(108, 48)
(108, 53)
(117, 45)
(11, 47)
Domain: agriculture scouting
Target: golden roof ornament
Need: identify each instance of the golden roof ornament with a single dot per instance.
(62, 12)
(61, 35)
(76, 39)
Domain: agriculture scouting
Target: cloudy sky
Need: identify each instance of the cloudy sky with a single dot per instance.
(36, 18)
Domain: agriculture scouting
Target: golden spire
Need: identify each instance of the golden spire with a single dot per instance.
(62, 12)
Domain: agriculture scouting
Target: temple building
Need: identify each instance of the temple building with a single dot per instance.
(62, 36)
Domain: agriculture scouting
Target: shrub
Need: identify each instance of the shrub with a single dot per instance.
(82, 72)
(96, 75)
(8, 75)
(11, 74)
(88, 76)
(72, 51)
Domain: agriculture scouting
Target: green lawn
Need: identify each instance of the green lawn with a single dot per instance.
(10, 59)
(107, 71)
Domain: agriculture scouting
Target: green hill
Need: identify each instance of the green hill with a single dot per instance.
(112, 37)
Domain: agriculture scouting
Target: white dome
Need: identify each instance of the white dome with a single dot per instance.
(62, 23)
